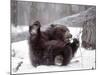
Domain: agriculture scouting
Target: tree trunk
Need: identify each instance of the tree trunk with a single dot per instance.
(89, 34)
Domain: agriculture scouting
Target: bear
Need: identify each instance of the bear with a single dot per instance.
(45, 47)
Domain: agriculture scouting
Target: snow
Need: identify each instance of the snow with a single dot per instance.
(19, 29)
(83, 59)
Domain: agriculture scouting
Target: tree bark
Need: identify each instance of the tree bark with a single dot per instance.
(89, 34)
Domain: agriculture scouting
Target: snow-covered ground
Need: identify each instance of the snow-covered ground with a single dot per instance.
(84, 59)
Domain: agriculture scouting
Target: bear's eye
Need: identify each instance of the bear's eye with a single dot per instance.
(35, 24)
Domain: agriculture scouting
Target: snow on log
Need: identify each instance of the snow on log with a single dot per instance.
(77, 19)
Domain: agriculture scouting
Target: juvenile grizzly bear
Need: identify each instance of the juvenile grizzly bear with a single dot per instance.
(45, 47)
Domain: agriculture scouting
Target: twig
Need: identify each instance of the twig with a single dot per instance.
(19, 64)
